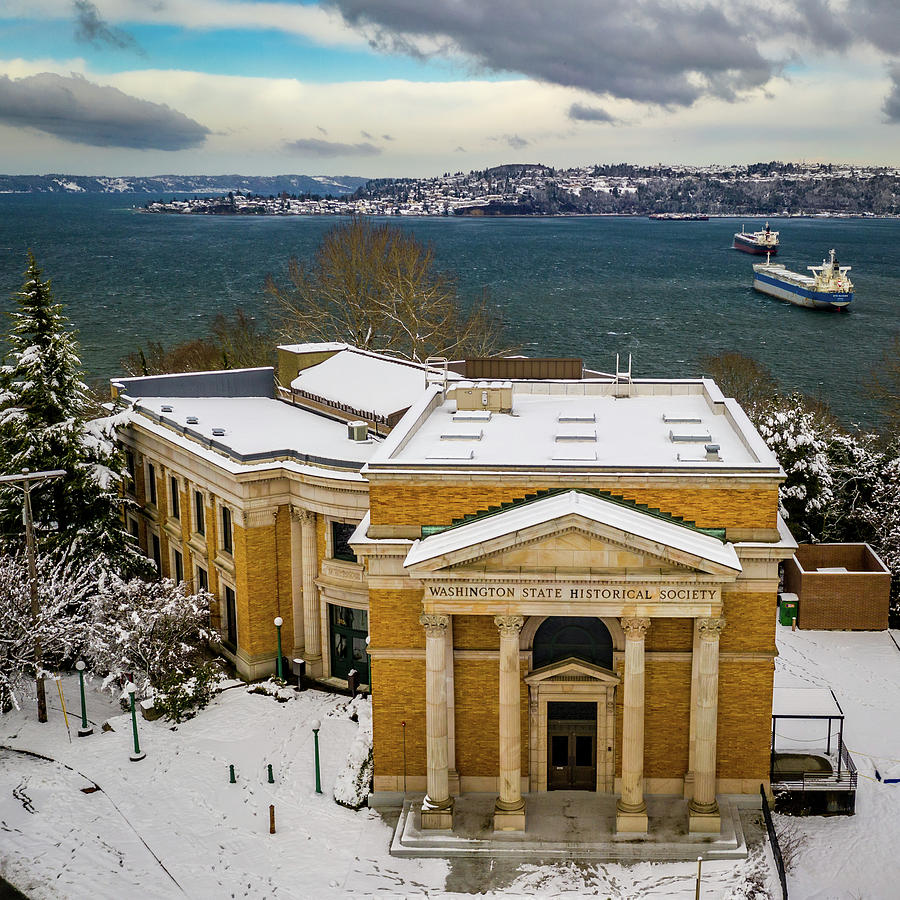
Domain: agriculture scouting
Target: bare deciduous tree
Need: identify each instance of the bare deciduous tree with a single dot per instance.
(377, 287)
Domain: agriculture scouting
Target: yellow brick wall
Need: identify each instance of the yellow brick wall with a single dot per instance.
(745, 718)
(477, 683)
(398, 695)
(667, 716)
(475, 633)
(285, 603)
(750, 619)
(256, 588)
(439, 504)
(394, 619)
(675, 635)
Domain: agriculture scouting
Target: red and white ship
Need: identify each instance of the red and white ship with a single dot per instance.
(758, 242)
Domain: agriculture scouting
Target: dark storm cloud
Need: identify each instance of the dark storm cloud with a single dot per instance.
(653, 51)
(82, 112)
(891, 105)
(91, 29)
(327, 149)
(581, 113)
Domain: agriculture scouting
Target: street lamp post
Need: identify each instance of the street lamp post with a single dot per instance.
(138, 753)
(278, 623)
(316, 725)
(23, 483)
(85, 729)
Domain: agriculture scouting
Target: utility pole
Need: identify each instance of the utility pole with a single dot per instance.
(24, 483)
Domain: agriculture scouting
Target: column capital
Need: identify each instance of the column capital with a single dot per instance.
(302, 515)
(259, 518)
(635, 628)
(710, 628)
(434, 625)
(509, 626)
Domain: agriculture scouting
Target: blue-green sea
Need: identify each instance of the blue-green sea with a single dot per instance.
(666, 292)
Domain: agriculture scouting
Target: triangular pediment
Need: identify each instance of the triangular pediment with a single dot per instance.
(570, 533)
(572, 550)
(572, 670)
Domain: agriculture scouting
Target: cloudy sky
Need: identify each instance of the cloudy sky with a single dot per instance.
(419, 87)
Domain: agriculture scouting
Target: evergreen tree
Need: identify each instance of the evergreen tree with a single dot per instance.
(44, 409)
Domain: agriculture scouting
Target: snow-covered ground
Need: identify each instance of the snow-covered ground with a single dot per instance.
(172, 825)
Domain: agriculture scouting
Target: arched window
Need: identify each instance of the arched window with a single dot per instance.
(559, 638)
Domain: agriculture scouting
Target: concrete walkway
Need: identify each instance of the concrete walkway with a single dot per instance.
(571, 825)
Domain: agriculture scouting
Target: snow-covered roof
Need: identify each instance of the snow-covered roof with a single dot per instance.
(645, 527)
(364, 381)
(805, 702)
(256, 429)
(584, 424)
(319, 347)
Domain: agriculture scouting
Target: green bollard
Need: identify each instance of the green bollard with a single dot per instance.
(85, 729)
(231, 778)
(271, 776)
(138, 753)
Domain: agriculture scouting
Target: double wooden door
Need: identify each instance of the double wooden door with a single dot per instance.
(572, 747)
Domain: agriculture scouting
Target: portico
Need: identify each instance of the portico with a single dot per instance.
(592, 559)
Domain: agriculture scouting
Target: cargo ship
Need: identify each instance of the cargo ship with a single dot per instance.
(827, 288)
(758, 242)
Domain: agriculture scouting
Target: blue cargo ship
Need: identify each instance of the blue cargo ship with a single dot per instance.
(828, 287)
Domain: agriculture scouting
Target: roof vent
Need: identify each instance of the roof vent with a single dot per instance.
(357, 431)
(689, 437)
(577, 417)
(165, 408)
(192, 420)
(218, 432)
(681, 420)
(712, 452)
(582, 435)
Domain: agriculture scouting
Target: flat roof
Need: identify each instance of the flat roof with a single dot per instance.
(257, 429)
(805, 703)
(562, 425)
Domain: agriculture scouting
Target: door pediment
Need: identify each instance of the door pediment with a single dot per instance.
(572, 670)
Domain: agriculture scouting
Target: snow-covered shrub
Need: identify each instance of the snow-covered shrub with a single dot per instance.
(883, 515)
(180, 696)
(800, 441)
(354, 781)
(272, 687)
(65, 591)
(156, 632)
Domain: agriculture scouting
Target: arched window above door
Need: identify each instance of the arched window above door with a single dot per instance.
(562, 637)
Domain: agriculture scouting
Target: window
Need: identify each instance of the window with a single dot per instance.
(349, 633)
(176, 500)
(340, 534)
(155, 553)
(177, 566)
(129, 467)
(226, 530)
(229, 619)
(202, 579)
(134, 528)
(151, 483)
(199, 513)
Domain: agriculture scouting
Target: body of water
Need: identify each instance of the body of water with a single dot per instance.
(668, 293)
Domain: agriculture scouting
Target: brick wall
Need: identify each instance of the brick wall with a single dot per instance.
(745, 718)
(846, 601)
(667, 716)
(394, 619)
(439, 504)
(398, 695)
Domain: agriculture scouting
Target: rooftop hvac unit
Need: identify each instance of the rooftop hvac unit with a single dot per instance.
(218, 432)
(165, 408)
(192, 420)
(358, 431)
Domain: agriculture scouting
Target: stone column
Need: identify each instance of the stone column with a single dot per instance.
(509, 811)
(299, 636)
(437, 807)
(631, 811)
(703, 809)
(309, 559)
